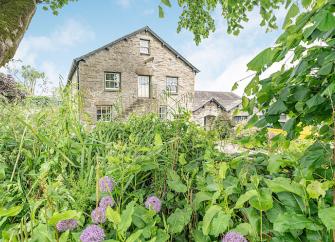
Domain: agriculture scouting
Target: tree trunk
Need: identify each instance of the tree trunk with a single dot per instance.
(15, 17)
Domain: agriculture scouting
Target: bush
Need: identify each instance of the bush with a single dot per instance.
(166, 181)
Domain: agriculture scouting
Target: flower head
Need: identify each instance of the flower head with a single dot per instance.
(106, 184)
(93, 233)
(68, 224)
(106, 201)
(233, 237)
(153, 203)
(98, 215)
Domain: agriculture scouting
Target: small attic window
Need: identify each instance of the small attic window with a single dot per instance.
(145, 46)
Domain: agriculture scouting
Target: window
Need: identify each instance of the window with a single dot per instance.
(144, 46)
(163, 112)
(112, 81)
(209, 122)
(172, 85)
(104, 113)
(240, 118)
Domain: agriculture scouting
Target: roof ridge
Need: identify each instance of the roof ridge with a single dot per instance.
(145, 28)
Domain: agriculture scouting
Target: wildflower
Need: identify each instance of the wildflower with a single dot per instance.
(68, 224)
(153, 203)
(106, 201)
(93, 233)
(106, 184)
(98, 215)
(233, 237)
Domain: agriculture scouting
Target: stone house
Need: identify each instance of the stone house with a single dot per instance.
(138, 73)
(207, 106)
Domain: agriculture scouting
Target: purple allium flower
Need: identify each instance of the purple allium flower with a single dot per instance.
(68, 224)
(153, 203)
(233, 237)
(98, 215)
(106, 184)
(106, 201)
(93, 233)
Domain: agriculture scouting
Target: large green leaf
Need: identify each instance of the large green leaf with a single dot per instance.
(175, 183)
(325, 20)
(277, 108)
(263, 201)
(327, 216)
(244, 198)
(113, 216)
(291, 221)
(126, 217)
(215, 221)
(70, 214)
(292, 12)
(261, 60)
(11, 212)
(281, 184)
(179, 219)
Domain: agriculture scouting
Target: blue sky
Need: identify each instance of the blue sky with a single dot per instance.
(51, 42)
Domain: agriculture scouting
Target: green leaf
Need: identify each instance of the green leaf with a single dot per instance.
(314, 189)
(235, 86)
(179, 219)
(126, 217)
(70, 214)
(134, 236)
(158, 140)
(209, 215)
(291, 221)
(175, 183)
(306, 3)
(166, 3)
(201, 197)
(281, 184)
(244, 198)
(223, 167)
(274, 164)
(245, 102)
(64, 237)
(182, 159)
(263, 201)
(11, 212)
(325, 20)
(292, 12)
(219, 224)
(244, 229)
(113, 216)
(327, 216)
(315, 100)
(326, 69)
(161, 12)
(261, 60)
(277, 108)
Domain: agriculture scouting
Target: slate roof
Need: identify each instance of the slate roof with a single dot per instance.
(146, 28)
(226, 100)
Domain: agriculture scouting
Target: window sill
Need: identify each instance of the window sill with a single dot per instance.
(112, 90)
(145, 54)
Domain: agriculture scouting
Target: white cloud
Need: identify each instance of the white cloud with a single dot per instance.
(33, 49)
(223, 58)
(123, 3)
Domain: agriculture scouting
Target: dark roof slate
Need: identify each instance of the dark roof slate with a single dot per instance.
(226, 100)
(146, 28)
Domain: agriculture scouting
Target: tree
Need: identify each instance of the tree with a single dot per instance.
(15, 17)
(31, 77)
(197, 15)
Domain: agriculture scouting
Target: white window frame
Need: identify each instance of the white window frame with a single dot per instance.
(118, 81)
(163, 112)
(107, 116)
(168, 85)
(144, 46)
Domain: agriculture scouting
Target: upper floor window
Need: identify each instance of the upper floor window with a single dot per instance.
(240, 118)
(145, 46)
(112, 81)
(172, 85)
(104, 113)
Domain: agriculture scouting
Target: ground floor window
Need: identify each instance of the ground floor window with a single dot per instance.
(209, 121)
(163, 112)
(104, 113)
(240, 118)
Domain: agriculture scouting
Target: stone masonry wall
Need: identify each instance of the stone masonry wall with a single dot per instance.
(210, 108)
(125, 57)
